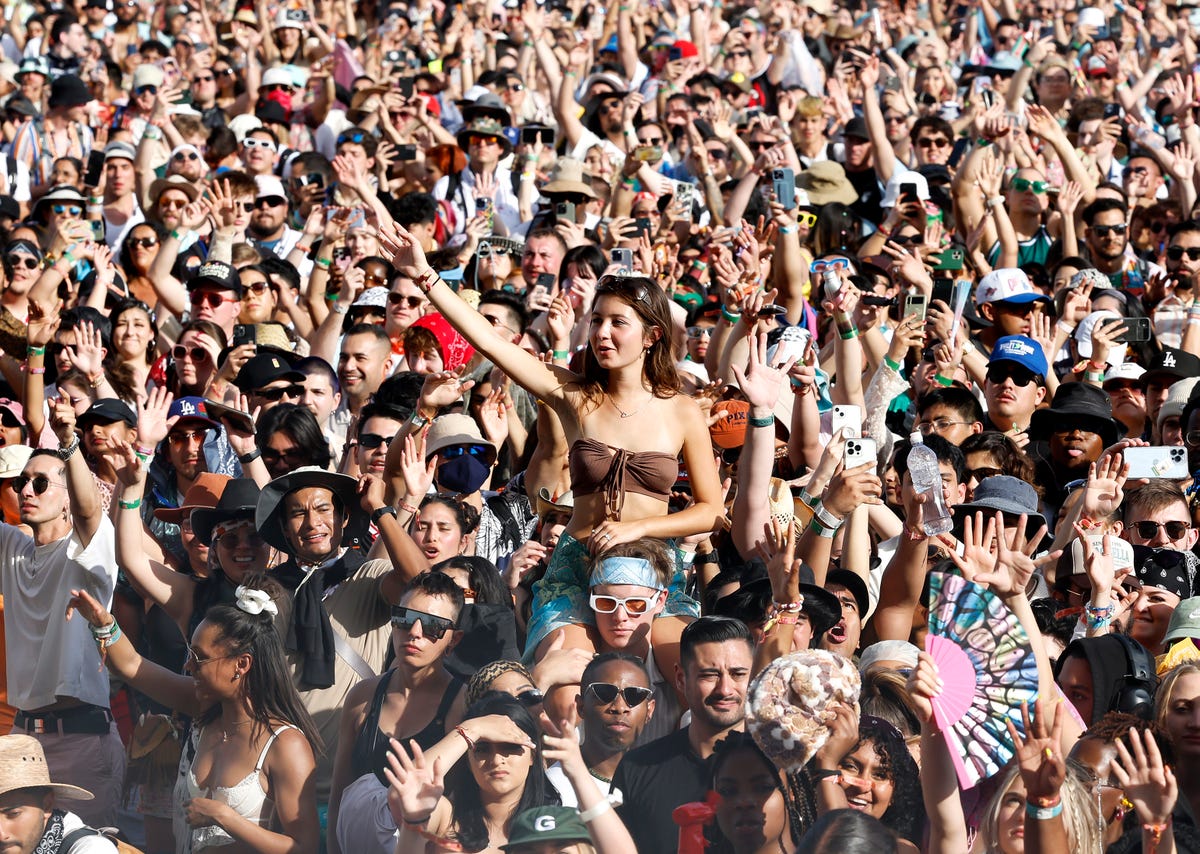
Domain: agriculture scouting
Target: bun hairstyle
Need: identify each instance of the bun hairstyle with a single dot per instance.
(465, 514)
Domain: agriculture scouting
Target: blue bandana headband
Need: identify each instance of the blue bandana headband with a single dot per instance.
(626, 570)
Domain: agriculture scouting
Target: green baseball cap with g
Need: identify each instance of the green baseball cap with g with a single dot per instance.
(546, 824)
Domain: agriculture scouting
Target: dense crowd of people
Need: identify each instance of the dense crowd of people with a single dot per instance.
(560, 427)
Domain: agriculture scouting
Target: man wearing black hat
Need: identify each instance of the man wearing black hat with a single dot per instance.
(484, 187)
(1078, 426)
(850, 590)
(268, 380)
(339, 632)
(68, 98)
(860, 169)
(215, 293)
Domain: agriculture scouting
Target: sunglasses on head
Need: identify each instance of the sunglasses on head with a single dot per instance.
(1176, 253)
(40, 483)
(606, 694)
(458, 450)
(1103, 230)
(602, 604)
(71, 210)
(432, 627)
(22, 260)
(209, 298)
(197, 354)
(1020, 376)
(355, 137)
(1022, 184)
(1149, 530)
(371, 441)
(280, 392)
(411, 302)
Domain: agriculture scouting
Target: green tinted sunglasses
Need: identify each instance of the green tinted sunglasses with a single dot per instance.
(1023, 184)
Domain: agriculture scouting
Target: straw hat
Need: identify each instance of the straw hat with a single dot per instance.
(568, 177)
(23, 766)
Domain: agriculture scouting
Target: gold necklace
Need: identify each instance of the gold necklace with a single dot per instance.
(225, 732)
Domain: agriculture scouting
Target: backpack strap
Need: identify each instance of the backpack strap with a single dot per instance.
(76, 835)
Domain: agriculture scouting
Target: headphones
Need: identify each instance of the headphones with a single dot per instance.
(1134, 692)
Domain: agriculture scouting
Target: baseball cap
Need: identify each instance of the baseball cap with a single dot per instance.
(268, 185)
(547, 824)
(891, 194)
(1020, 349)
(1008, 284)
(193, 410)
(216, 274)
(730, 430)
(108, 410)
(1123, 372)
(277, 76)
(263, 369)
(1185, 620)
(119, 151)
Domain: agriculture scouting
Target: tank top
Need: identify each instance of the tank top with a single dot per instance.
(372, 745)
(247, 798)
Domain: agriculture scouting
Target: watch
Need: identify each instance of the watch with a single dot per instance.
(418, 420)
(66, 453)
(380, 512)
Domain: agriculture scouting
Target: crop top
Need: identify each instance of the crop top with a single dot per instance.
(597, 467)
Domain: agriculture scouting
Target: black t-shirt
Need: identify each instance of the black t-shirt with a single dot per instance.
(655, 779)
(870, 195)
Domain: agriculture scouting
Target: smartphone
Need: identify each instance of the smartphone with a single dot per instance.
(1168, 461)
(243, 333)
(849, 417)
(783, 182)
(313, 179)
(908, 192)
(648, 153)
(341, 257)
(951, 259)
(1137, 331)
(643, 226)
(915, 304)
(393, 57)
(791, 345)
(770, 309)
(405, 84)
(860, 451)
(623, 258)
(95, 168)
(236, 418)
(564, 212)
(988, 97)
(530, 135)
(1112, 111)
(545, 280)
(406, 152)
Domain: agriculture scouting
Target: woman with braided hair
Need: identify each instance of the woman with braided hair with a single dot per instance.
(757, 812)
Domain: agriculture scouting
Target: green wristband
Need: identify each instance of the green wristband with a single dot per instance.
(37, 351)
(130, 505)
(561, 354)
(892, 363)
(765, 421)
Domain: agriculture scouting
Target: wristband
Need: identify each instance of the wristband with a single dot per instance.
(995, 201)
(1156, 830)
(942, 381)
(176, 235)
(820, 530)
(1037, 813)
(765, 421)
(129, 505)
(36, 371)
(808, 499)
(379, 512)
(595, 812)
(102, 632)
(852, 332)
(1093, 376)
(421, 822)
(562, 355)
(892, 363)
(828, 520)
(96, 381)
(340, 308)
(246, 459)
(324, 263)
(780, 618)
(426, 280)
(730, 317)
(968, 347)
(788, 229)
(409, 509)
(39, 350)
(470, 741)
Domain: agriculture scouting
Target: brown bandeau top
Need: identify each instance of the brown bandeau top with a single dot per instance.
(597, 467)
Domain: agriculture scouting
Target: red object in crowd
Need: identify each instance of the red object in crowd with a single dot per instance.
(692, 819)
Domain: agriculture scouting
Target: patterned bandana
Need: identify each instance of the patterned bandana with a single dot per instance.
(634, 571)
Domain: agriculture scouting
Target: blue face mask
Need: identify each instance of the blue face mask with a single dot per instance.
(463, 475)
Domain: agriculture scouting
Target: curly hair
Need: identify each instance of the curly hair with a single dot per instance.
(465, 514)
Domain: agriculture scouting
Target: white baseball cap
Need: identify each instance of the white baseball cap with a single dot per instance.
(1008, 284)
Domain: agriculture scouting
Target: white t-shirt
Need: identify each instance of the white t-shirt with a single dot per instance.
(566, 792)
(50, 657)
(93, 843)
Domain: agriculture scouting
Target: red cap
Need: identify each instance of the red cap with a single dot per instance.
(686, 49)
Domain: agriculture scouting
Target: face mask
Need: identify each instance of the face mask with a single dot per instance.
(463, 475)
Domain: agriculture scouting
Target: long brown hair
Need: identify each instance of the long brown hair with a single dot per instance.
(653, 309)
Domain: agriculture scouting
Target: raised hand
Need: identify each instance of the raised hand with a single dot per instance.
(62, 419)
(129, 468)
(414, 788)
(760, 382)
(407, 256)
(1147, 782)
(778, 552)
(416, 471)
(88, 353)
(924, 684)
(1105, 488)
(44, 319)
(153, 423)
(1039, 753)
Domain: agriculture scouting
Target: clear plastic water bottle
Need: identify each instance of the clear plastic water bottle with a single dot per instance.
(927, 481)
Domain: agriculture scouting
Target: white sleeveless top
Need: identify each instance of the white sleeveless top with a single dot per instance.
(247, 798)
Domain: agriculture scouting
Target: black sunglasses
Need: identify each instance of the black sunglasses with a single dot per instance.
(40, 483)
(532, 697)
(606, 693)
(1103, 230)
(276, 394)
(1021, 377)
(411, 302)
(432, 627)
(1176, 253)
(27, 261)
(371, 441)
(983, 473)
(198, 354)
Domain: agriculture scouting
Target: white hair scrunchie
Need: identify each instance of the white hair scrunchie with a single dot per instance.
(255, 601)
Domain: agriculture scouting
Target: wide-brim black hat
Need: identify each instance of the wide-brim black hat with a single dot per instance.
(1079, 404)
(238, 501)
(269, 510)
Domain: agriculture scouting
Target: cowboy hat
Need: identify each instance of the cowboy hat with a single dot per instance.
(483, 126)
(23, 766)
(205, 492)
(568, 177)
(239, 501)
(546, 502)
(269, 511)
